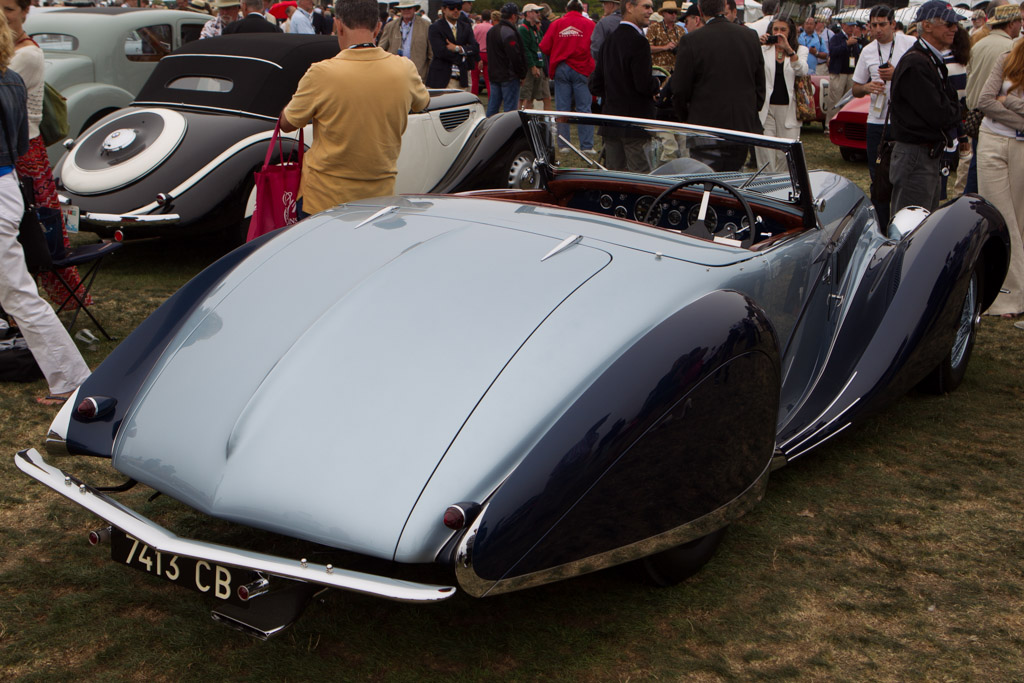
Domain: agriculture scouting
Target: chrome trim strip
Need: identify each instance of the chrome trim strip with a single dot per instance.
(563, 245)
(376, 215)
(56, 438)
(793, 457)
(714, 520)
(204, 107)
(205, 170)
(823, 413)
(32, 463)
(818, 430)
(114, 220)
(251, 59)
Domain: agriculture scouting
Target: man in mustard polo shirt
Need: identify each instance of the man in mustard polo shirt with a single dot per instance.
(359, 103)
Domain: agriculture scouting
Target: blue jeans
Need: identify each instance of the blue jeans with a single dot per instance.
(502, 95)
(572, 85)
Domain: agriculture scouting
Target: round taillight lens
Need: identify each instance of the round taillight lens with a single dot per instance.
(88, 408)
(454, 517)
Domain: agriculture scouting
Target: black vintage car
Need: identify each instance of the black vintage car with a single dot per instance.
(180, 159)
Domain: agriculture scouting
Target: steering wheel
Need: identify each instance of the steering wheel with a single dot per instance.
(704, 200)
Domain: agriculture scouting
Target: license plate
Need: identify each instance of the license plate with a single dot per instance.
(71, 215)
(199, 575)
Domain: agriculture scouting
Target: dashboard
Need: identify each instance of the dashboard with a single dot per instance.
(724, 219)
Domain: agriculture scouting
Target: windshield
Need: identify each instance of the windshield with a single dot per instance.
(751, 163)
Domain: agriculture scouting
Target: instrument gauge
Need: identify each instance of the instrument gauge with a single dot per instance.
(710, 218)
(643, 206)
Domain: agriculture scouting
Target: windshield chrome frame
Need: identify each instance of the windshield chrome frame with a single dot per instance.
(799, 180)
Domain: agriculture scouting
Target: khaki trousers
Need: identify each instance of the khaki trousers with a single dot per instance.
(1001, 181)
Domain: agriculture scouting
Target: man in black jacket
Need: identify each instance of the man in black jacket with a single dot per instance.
(924, 110)
(719, 81)
(506, 63)
(623, 78)
(454, 48)
(253, 20)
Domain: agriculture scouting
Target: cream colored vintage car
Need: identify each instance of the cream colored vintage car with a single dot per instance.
(99, 57)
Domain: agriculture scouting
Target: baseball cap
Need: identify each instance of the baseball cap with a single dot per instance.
(936, 9)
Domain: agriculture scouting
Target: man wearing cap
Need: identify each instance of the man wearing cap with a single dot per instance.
(358, 102)
(1004, 27)
(567, 45)
(664, 36)
(454, 49)
(612, 15)
(721, 63)
(407, 37)
(692, 18)
(536, 85)
(227, 12)
(302, 20)
(252, 21)
(624, 80)
(925, 110)
(506, 63)
(843, 51)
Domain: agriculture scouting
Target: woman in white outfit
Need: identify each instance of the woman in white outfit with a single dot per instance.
(1001, 165)
(49, 342)
(784, 60)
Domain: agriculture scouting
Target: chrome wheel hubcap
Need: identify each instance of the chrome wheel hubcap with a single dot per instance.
(521, 175)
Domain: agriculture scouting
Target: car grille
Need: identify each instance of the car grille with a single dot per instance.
(855, 131)
(453, 118)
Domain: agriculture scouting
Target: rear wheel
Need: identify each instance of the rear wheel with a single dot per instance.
(950, 372)
(675, 565)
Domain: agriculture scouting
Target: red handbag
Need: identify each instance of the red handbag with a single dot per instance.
(277, 189)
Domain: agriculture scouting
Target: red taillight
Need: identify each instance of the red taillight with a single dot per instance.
(88, 408)
(99, 536)
(251, 590)
(118, 236)
(94, 407)
(454, 517)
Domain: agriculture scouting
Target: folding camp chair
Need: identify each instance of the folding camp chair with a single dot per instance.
(88, 254)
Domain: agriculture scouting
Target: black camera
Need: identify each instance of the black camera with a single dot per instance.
(884, 66)
(771, 40)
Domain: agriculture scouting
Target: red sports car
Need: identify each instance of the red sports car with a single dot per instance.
(849, 129)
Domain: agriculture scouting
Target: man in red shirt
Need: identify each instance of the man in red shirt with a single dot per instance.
(567, 45)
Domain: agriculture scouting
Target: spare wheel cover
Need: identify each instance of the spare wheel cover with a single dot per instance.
(122, 150)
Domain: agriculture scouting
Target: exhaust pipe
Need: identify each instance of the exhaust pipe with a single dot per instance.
(269, 615)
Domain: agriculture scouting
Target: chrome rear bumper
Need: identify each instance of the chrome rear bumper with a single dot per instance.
(34, 465)
(114, 220)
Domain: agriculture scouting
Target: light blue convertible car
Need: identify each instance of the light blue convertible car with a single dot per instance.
(499, 388)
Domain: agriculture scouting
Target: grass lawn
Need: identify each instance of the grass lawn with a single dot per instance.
(891, 553)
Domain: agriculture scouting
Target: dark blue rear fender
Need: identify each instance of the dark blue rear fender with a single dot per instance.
(678, 426)
(903, 317)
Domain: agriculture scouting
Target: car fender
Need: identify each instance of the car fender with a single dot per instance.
(673, 432)
(481, 164)
(899, 323)
(85, 100)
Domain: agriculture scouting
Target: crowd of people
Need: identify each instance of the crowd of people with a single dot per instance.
(927, 82)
